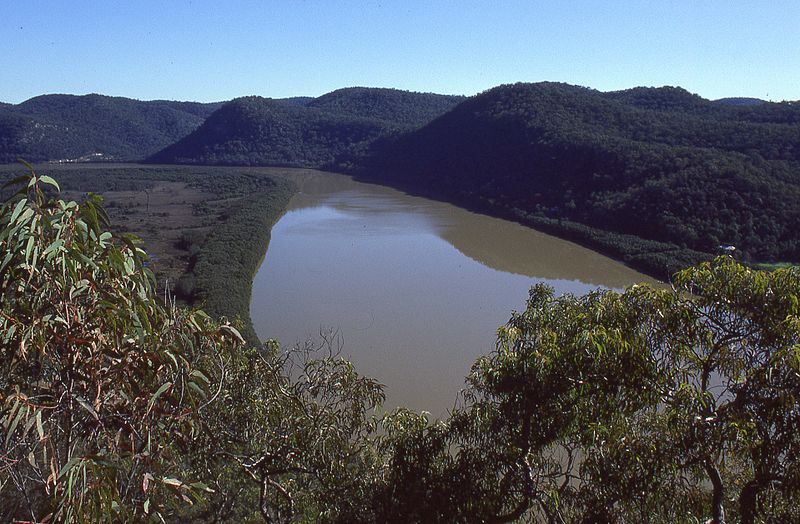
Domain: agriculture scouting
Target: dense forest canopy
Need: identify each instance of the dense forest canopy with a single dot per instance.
(329, 130)
(740, 101)
(260, 131)
(660, 164)
(395, 107)
(68, 127)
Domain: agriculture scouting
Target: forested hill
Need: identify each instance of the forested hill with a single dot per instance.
(326, 131)
(399, 108)
(726, 109)
(69, 127)
(260, 131)
(660, 164)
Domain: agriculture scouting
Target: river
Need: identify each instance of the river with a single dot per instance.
(414, 289)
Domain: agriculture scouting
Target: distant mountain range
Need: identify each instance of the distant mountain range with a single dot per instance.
(656, 176)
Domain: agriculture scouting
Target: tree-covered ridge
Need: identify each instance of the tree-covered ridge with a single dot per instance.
(736, 109)
(739, 101)
(405, 109)
(295, 100)
(261, 131)
(68, 127)
(621, 162)
(327, 131)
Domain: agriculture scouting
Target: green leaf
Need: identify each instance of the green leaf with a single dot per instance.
(68, 466)
(6, 260)
(199, 374)
(201, 486)
(52, 247)
(172, 482)
(20, 413)
(232, 331)
(193, 385)
(17, 210)
(44, 179)
(157, 394)
(28, 248)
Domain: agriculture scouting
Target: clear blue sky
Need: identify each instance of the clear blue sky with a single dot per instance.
(207, 51)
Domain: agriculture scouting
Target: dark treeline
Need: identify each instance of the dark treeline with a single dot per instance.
(403, 109)
(67, 127)
(222, 276)
(659, 164)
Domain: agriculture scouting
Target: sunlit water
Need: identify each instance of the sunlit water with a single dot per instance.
(415, 288)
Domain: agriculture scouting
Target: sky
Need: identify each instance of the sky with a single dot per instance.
(218, 50)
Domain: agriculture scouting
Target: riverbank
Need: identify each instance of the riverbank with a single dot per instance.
(232, 253)
(659, 260)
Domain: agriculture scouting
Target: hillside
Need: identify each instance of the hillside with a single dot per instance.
(69, 127)
(404, 109)
(260, 131)
(659, 164)
(327, 131)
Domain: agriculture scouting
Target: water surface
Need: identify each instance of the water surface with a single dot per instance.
(414, 288)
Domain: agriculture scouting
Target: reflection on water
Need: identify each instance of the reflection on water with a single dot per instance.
(416, 288)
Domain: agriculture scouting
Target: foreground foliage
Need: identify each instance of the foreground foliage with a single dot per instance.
(653, 405)
(99, 380)
(292, 438)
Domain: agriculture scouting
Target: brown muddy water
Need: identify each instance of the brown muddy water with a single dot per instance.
(414, 288)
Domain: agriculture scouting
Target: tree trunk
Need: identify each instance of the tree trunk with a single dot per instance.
(718, 497)
(747, 501)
